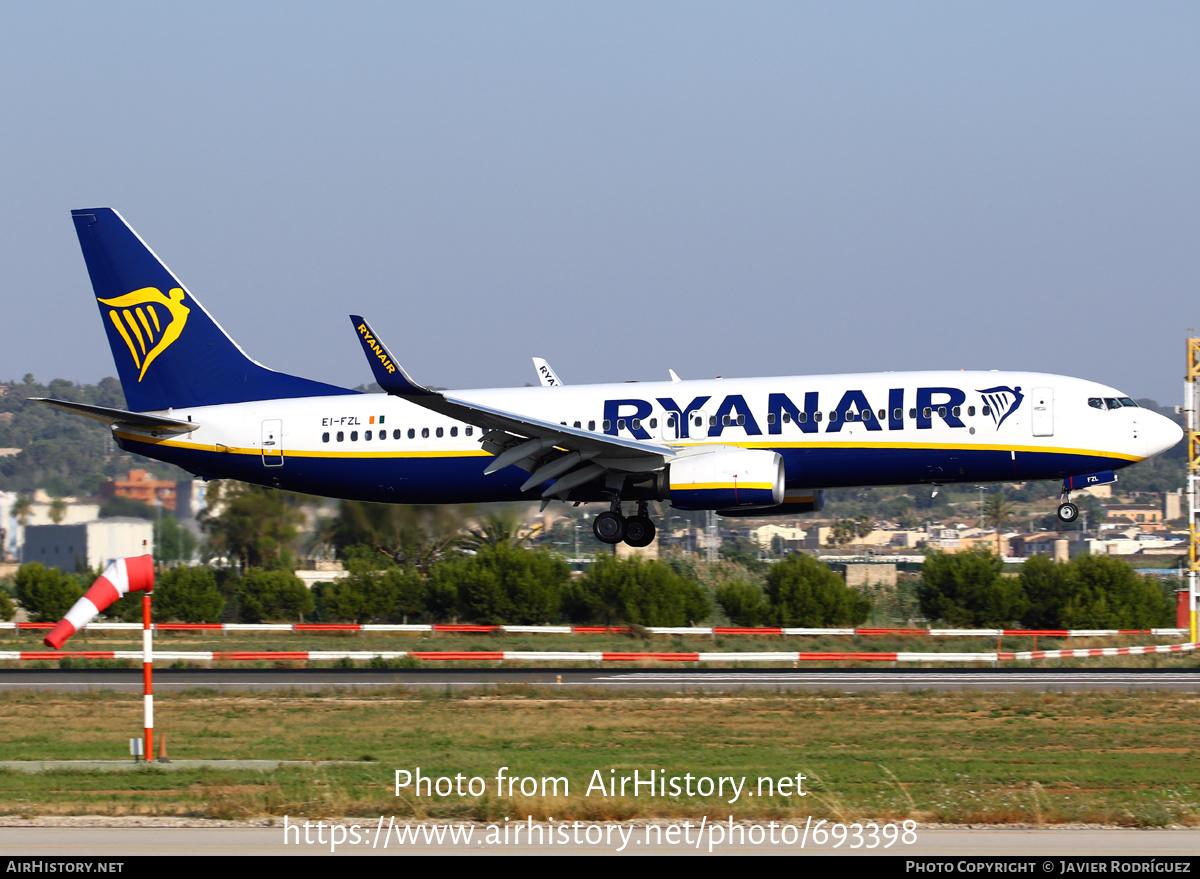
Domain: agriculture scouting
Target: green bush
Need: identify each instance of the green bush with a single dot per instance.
(636, 591)
(189, 595)
(803, 592)
(374, 595)
(46, 594)
(500, 584)
(967, 589)
(1110, 594)
(273, 595)
(1092, 592)
(1048, 588)
(744, 603)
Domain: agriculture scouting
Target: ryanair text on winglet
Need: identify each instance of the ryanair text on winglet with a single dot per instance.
(376, 347)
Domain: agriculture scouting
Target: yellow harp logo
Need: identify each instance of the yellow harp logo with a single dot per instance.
(147, 332)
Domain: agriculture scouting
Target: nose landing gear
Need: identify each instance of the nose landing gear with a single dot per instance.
(1067, 511)
(611, 527)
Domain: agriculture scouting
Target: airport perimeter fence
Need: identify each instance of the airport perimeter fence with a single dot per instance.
(590, 658)
(677, 631)
(785, 657)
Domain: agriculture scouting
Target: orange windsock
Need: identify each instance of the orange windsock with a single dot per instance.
(123, 576)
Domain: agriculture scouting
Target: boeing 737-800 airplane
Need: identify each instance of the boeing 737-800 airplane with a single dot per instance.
(742, 447)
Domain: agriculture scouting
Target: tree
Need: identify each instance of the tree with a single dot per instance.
(1110, 594)
(58, 510)
(46, 594)
(252, 524)
(1048, 587)
(23, 509)
(997, 512)
(967, 589)
(742, 551)
(409, 534)
(190, 595)
(496, 528)
(504, 584)
(803, 592)
(638, 591)
(744, 603)
(172, 541)
(273, 595)
(373, 595)
(118, 505)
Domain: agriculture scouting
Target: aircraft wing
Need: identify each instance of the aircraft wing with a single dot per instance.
(550, 450)
(121, 417)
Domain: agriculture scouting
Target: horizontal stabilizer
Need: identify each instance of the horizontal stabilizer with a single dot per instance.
(121, 416)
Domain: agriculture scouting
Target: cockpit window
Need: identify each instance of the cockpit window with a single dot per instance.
(1095, 402)
(1112, 403)
(1125, 401)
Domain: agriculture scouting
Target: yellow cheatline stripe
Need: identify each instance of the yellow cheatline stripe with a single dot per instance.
(744, 445)
(706, 486)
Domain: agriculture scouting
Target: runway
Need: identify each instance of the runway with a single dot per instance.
(667, 680)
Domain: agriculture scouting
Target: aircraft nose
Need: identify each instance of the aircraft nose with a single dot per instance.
(1158, 433)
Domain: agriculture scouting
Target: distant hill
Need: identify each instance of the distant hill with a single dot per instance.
(62, 453)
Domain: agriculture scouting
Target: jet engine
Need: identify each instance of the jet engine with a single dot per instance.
(725, 479)
(804, 500)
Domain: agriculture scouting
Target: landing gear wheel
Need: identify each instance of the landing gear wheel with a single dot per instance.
(639, 531)
(1068, 513)
(609, 527)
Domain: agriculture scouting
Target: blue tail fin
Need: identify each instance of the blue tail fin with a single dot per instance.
(170, 353)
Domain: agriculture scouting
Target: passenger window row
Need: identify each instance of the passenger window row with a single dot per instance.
(726, 421)
(367, 436)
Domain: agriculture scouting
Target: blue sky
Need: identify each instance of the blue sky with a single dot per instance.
(720, 188)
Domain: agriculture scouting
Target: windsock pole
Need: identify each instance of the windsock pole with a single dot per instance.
(135, 574)
(148, 676)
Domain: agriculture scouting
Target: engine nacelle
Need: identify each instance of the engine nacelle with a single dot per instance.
(726, 479)
(804, 500)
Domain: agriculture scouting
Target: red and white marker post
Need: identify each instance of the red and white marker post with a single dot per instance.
(123, 576)
(148, 674)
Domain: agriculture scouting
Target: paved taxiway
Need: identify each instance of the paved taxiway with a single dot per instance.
(1023, 845)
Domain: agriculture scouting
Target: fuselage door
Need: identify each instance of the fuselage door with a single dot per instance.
(669, 431)
(272, 442)
(697, 424)
(1043, 411)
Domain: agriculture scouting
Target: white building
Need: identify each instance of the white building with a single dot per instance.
(87, 545)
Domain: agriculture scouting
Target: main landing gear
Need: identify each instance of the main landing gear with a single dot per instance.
(612, 527)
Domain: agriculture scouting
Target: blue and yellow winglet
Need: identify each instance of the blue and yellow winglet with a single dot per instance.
(389, 374)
